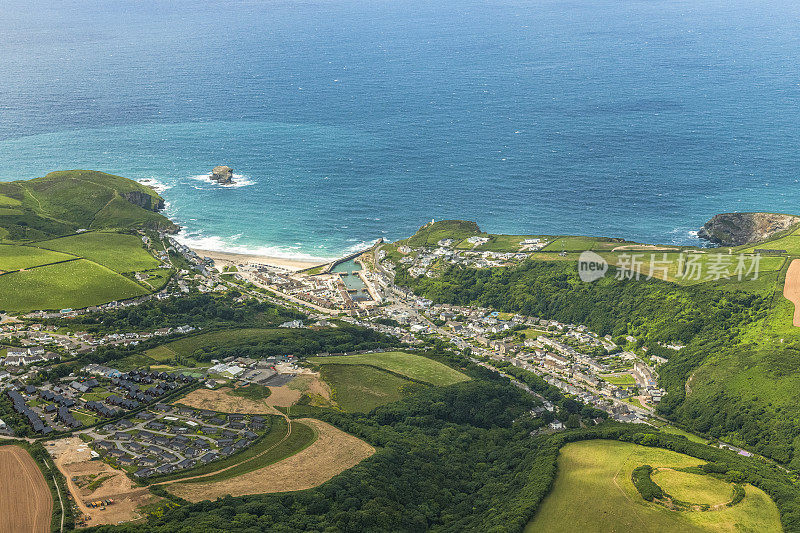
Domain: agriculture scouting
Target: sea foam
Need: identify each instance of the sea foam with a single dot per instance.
(239, 180)
(220, 244)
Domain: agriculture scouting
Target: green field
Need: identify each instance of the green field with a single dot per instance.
(501, 243)
(693, 488)
(693, 268)
(413, 366)
(430, 234)
(666, 428)
(72, 284)
(593, 492)
(360, 388)
(6, 201)
(187, 346)
(253, 391)
(14, 257)
(117, 251)
(625, 380)
(570, 243)
(790, 243)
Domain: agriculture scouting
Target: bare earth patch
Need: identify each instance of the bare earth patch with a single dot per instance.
(791, 289)
(332, 453)
(220, 400)
(287, 395)
(73, 459)
(25, 500)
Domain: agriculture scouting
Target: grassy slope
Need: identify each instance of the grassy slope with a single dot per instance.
(693, 488)
(73, 284)
(593, 492)
(57, 205)
(359, 388)
(430, 234)
(16, 257)
(117, 251)
(414, 366)
(185, 347)
(62, 202)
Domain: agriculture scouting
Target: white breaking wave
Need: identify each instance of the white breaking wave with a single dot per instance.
(219, 244)
(239, 180)
(359, 246)
(158, 186)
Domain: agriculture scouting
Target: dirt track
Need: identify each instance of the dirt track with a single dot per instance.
(26, 504)
(791, 289)
(332, 453)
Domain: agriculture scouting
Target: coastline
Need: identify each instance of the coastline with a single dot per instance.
(242, 258)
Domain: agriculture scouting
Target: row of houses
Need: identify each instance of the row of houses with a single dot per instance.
(21, 406)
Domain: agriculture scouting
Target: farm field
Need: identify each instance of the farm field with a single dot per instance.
(413, 366)
(72, 284)
(570, 243)
(790, 243)
(26, 503)
(693, 268)
(593, 490)
(361, 388)
(699, 489)
(13, 257)
(333, 452)
(791, 289)
(117, 251)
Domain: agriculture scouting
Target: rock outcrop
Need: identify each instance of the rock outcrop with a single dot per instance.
(222, 174)
(144, 200)
(735, 229)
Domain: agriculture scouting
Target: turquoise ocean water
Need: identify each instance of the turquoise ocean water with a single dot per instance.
(348, 120)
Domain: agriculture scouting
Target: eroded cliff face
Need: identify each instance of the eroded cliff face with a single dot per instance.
(144, 200)
(735, 229)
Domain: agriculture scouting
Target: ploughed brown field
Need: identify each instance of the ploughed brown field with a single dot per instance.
(791, 289)
(26, 504)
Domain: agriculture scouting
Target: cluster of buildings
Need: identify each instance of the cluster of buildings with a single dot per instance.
(426, 262)
(167, 438)
(41, 344)
(83, 400)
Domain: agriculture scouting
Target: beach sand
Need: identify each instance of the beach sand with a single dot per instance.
(241, 259)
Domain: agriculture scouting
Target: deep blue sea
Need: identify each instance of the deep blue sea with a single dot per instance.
(352, 120)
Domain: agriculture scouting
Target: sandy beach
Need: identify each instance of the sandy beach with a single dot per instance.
(237, 258)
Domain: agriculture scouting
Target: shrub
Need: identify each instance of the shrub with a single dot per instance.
(648, 488)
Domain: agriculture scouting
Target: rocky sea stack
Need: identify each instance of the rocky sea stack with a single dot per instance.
(736, 229)
(222, 174)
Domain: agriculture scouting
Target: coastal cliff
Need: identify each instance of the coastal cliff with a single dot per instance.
(735, 229)
(144, 200)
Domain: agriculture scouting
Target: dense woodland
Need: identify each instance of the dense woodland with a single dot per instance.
(703, 318)
(198, 310)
